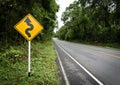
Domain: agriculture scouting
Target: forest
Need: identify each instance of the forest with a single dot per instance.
(91, 21)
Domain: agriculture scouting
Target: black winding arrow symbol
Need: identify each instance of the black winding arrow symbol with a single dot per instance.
(28, 21)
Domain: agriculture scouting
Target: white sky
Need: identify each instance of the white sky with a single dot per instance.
(62, 6)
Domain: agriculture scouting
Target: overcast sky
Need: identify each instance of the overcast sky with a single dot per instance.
(62, 6)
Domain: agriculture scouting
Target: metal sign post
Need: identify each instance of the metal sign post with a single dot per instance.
(29, 52)
(29, 27)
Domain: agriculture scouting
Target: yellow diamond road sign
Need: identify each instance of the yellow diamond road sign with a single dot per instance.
(29, 27)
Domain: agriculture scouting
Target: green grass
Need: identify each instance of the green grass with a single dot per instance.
(13, 65)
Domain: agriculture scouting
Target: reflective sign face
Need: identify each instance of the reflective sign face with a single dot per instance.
(29, 27)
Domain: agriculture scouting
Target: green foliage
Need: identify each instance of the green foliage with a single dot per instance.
(13, 65)
(91, 20)
(61, 33)
(44, 67)
(69, 34)
(46, 14)
(13, 55)
(12, 11)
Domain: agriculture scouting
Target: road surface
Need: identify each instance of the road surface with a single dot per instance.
(88, 65)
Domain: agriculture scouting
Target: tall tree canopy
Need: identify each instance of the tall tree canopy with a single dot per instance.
(11, 11)
(92, 20)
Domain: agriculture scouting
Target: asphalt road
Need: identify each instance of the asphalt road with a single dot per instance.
(88, 65)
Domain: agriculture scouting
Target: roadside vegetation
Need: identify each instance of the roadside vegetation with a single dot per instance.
(94, 21)
(13, 47)
(100, 44)
(13, 65)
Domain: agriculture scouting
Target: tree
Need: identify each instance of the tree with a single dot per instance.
(11, 11)
(92, 20)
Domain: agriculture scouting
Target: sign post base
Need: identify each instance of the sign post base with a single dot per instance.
(28, 74)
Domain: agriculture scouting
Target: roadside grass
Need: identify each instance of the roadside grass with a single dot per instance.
(13, 65)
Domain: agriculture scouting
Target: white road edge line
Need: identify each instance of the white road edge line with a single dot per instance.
(63, 71)
(90, 74)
